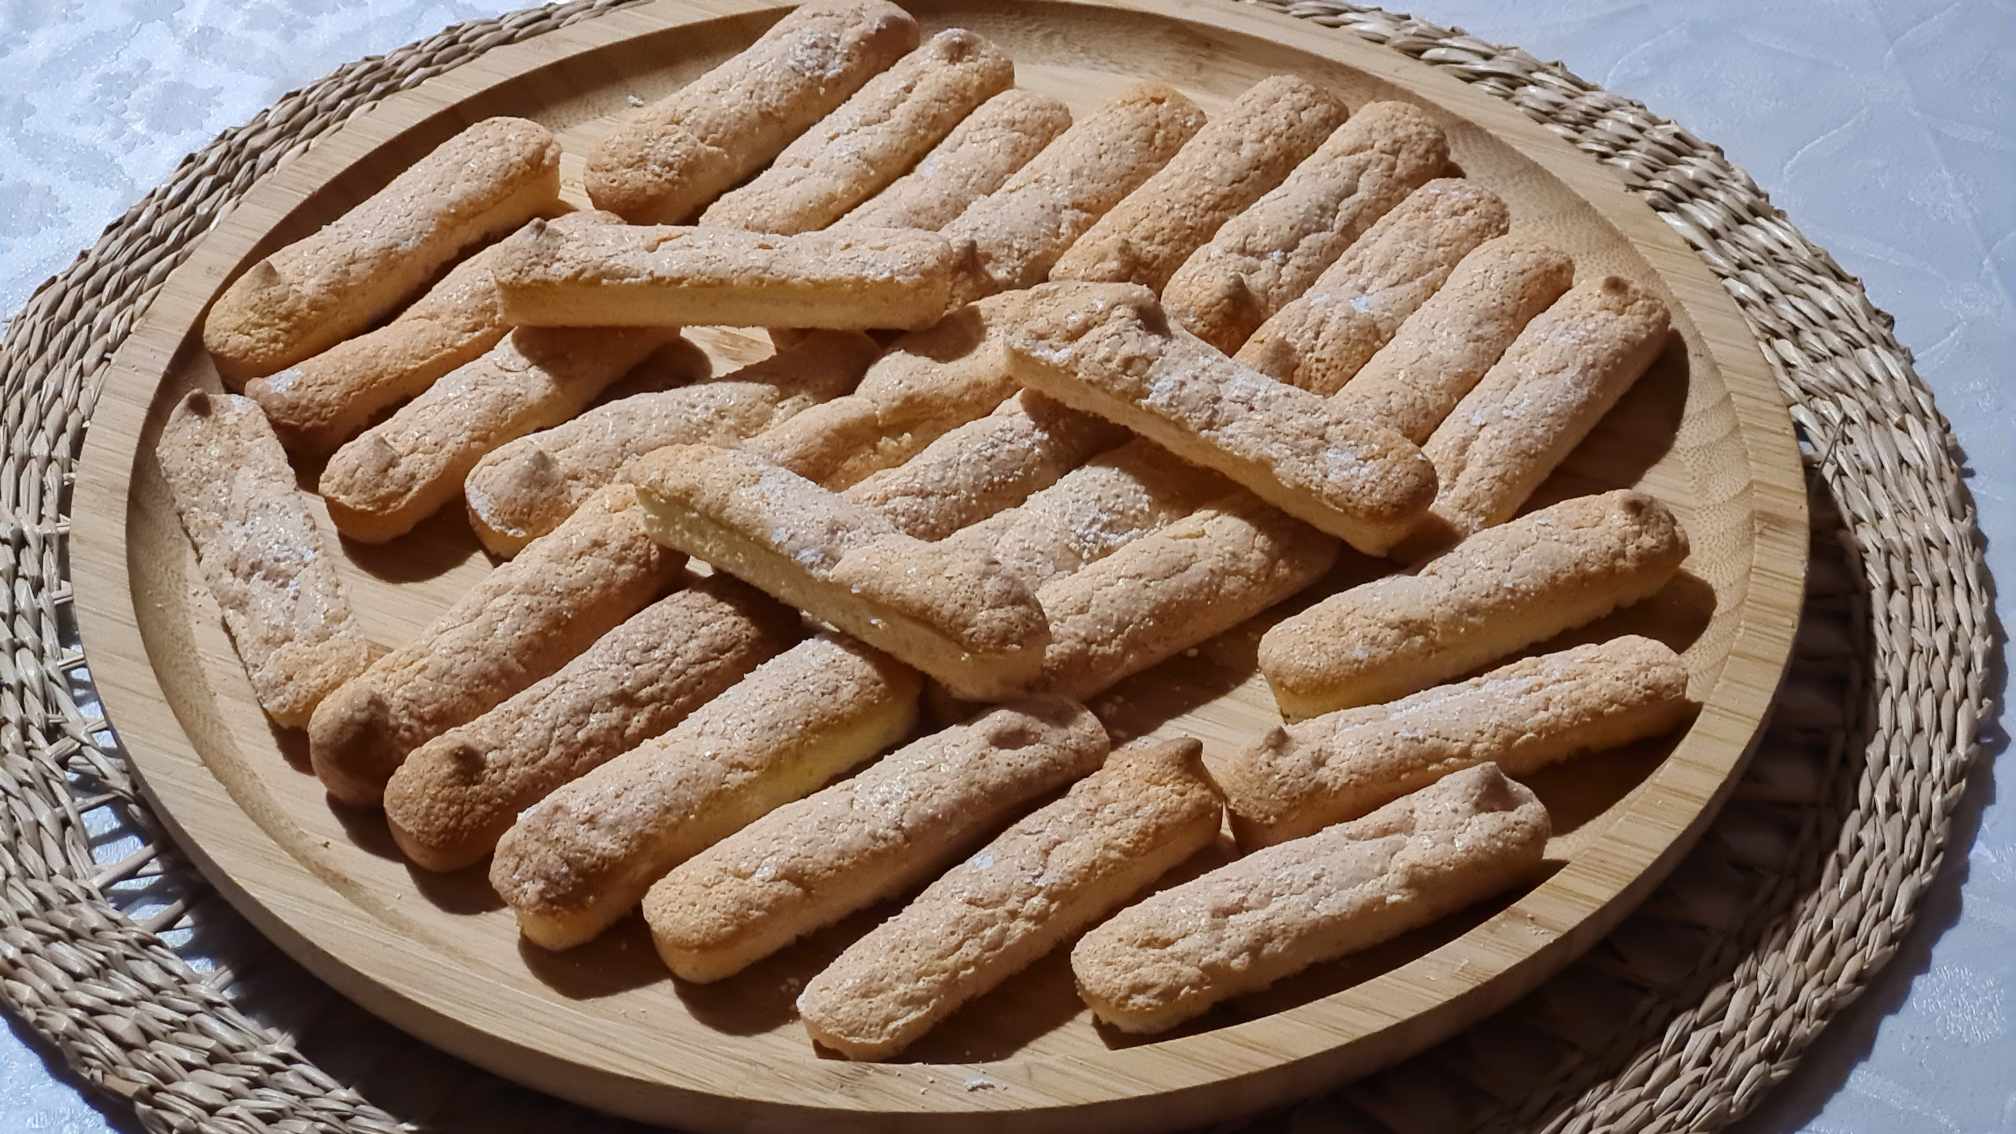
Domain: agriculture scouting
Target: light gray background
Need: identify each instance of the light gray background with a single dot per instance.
(1883, 127)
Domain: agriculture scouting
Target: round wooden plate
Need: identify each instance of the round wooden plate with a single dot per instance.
(1705, 431)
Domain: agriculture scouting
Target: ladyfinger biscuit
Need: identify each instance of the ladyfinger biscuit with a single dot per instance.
(810, 863)
(1050, 875)
(664, 161)
(1492, 595)
(1522, 717)
(960, 618)
(1279, 911)
(1091, 512)
(973, 161)
(458, 793)
(524, 489)
(582, 858)
(926, 384)
(398, 473)
(1022, 228)
(1173, 588)
(668, 276)
(1233, 161)
(314, 293)
(261, 554)
(985, 466)
(883, 130)
(1441, 352)
(1108, 349)
(1554, 383)
(1320, 340)
(518, 624)
(318, 404)
(1270, 254)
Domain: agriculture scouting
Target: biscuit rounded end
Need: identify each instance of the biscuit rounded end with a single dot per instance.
(834, 1033)
(1412, 480)
(556, 934)
(1296, 675)
(552, 901)
(1488, 788)
(703, 965)
(1255, 811)
(1108, 982)
(362, 493)
(635, 171)
(515, 494)
(259, 299)
(1657, 532)
(429, 810)
(353, 744)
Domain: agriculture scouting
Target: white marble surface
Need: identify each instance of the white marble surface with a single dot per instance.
(1882, 126)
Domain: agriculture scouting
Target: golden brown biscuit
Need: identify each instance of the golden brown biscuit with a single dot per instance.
(883, 130)
(314, 293)
(810, 863)
(662, 162)
(1050, 875)
(1274, 913)
(1108, 349)
(523, 489)
(1444, 348)
(973, 161)
(322, 402)
(960, 618)
(403, 470)
(669, 276)
(986, 466)
(261, 555)
(1494, 594)
(1022, 228)
(521, 622)
(926, 384)
(1270, 254)
(1321, 339)
(1091, 512)
(1521, 717)
(1234, 160)
(1173, 588)
(1554, 383)
(584, 856)
(458, 793)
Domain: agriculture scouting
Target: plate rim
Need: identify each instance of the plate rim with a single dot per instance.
(1757, 657)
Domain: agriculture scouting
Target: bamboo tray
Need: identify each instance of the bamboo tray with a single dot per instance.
(1706, 431)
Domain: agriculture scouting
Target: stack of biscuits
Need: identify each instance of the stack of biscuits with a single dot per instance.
(1053, 400)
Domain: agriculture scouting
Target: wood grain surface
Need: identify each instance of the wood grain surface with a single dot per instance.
(1706, 431)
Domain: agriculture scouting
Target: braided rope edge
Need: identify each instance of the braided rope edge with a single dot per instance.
(151, 1030)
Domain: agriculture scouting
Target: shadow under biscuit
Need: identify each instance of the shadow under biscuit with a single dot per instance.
(1023, 1009)
(1157, 696)
(463, 892)
(293, 746)
(678, 363)
(437, 545)
(366, 829)
(618, 961)
(1582, 790)
(764, 996)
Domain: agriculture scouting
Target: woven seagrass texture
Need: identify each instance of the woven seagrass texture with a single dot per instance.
(1797, 896)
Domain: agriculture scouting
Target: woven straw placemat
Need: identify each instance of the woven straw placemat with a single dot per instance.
(1797, 896)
